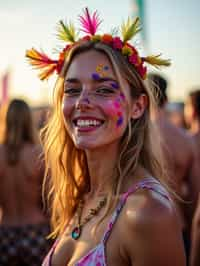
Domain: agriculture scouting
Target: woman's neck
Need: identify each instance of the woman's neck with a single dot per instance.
(101, 163)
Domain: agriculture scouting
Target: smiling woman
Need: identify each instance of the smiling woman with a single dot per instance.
(106, 180)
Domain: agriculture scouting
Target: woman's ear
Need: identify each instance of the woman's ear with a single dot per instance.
(138, 106)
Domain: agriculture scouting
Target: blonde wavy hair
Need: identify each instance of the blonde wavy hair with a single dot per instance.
(67, 175)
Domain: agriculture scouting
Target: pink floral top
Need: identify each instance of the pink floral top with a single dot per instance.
(97, 256)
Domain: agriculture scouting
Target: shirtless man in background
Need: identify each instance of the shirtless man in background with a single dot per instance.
(23, 226)
(180, 157)
(192, 118)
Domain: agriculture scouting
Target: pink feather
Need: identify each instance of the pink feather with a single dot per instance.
(89, 22)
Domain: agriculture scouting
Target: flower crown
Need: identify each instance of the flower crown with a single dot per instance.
(89, 25)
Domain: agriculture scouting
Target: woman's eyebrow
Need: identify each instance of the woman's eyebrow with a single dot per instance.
(72, 80)
(103, 79)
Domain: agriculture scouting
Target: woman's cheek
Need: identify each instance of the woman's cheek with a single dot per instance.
(67, 107)
(115, 109)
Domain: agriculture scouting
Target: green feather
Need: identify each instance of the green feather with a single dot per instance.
(66, 32)
(156, 61)
(130, 29)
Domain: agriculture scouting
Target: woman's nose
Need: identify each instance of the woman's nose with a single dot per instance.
(83, 102)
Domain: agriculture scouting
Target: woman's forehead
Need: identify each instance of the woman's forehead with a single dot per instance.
(90, 62)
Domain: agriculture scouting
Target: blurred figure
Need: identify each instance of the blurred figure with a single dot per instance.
(192, 113)
(179, 154)
(23, 227)
(192, 117)
(175, 113)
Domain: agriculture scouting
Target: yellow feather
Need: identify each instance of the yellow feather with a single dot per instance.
(156, 61)
(130, 29)
(66, 32)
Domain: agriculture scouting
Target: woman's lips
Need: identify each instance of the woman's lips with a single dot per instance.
(85, 124)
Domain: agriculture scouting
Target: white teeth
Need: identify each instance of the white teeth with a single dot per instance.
(83, 123)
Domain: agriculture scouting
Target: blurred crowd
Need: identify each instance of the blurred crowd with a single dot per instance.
(24, 220)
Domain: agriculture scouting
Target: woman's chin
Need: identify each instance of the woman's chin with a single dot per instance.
(85, 146)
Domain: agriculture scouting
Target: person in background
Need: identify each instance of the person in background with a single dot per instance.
(109, 201)
(24, 225)
(180, 156)
(175, 113)
(192, 117)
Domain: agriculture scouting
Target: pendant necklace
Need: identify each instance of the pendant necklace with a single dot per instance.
(76, 232)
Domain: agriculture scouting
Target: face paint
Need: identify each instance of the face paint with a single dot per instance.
(118, 107)
(122, 96)
(120, 121)
(95, 76)
(115, 85)
(106, 68)
(100, 71)
(86, 100)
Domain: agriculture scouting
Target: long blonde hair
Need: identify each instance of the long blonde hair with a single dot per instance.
(66, 166)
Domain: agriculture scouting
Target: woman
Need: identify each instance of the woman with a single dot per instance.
(23, 226)
(108, 205)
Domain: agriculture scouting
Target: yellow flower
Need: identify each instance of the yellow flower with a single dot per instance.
(127, 50)
(96, 38)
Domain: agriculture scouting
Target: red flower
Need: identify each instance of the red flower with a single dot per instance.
(142, 70)
(117, 43)
(86, 38)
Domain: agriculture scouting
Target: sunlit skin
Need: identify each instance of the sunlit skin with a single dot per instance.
(189, 112)
(108, 104)
(91, 98)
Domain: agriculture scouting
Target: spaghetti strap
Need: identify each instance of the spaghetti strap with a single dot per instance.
(146, 183)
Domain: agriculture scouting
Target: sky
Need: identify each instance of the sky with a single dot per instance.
(172, 27)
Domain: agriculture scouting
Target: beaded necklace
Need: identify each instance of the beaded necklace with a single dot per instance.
(76, 232)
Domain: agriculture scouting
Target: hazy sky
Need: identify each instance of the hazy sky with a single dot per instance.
(173, 28)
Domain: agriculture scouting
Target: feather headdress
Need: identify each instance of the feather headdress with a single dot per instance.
(90, 24)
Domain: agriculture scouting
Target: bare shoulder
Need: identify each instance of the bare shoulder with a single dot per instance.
(152, 234)
(143, 208)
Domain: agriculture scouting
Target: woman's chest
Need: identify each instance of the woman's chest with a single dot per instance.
(69, 251)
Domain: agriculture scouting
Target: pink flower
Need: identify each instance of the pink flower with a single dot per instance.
(117, 43)
(135, 59)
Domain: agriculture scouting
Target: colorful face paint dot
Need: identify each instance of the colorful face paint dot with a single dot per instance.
(106, 67)
(95, 76)
(122, 96)
(116, 104)
(115, 85)
(98, 68)
(119, 121)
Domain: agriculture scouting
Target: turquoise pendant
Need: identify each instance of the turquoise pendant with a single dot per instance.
(76, 232)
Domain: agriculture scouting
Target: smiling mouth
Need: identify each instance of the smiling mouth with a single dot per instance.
(87, 124)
